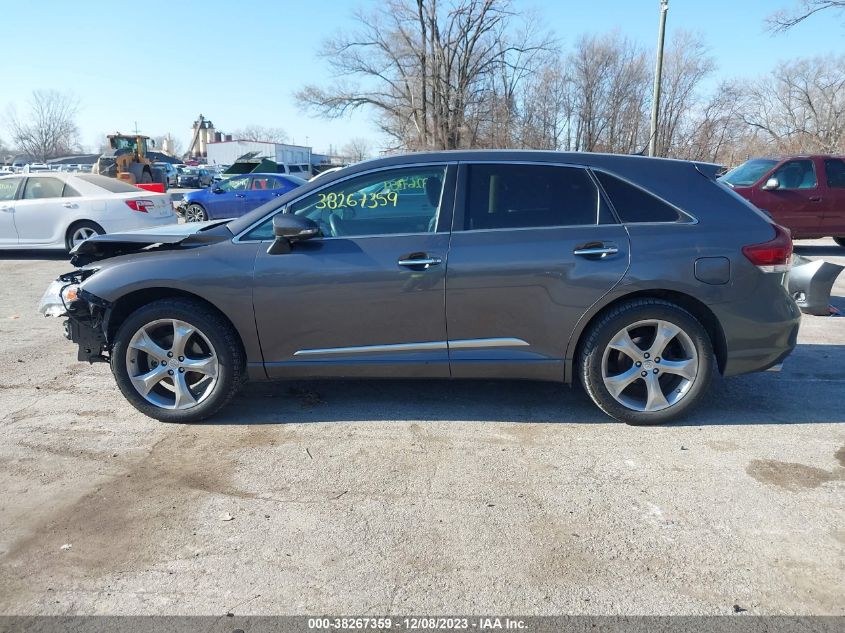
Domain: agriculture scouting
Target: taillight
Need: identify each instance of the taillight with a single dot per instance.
(143, 206)
(774, 256)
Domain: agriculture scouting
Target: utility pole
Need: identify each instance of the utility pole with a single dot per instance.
(658, 75)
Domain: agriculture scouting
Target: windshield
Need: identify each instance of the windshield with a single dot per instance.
(749, 172)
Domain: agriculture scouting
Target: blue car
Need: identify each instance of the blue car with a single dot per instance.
(232, 197)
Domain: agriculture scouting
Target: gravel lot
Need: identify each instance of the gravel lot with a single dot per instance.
(415, 497)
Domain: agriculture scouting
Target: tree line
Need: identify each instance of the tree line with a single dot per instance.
(454, 74)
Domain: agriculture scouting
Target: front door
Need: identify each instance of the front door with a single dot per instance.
(367, 298)
(534, 246)
(833, 220)
(797, 202)
(8, 194)
(226, 198)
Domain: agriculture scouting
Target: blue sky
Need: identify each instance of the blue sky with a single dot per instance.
(239, 63)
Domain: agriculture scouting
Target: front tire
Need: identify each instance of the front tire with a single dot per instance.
(195, 213)
(647, 361)
(177, 360)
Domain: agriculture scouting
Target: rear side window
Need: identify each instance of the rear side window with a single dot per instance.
(835, 169)
(69, 192)
(524, 196)
(40, 188)
(634, 204)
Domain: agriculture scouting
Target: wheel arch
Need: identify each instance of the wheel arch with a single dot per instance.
(689, 303)
(128, 303)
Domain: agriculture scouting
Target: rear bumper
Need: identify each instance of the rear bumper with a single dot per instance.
(760, 331)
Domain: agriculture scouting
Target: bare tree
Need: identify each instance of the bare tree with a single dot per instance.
(784, 20)
(261, 133)
(687, 65)
(609, 83)
(357, 149)
(803, 107)
(49, 127)
(714, 129)
(427, 68)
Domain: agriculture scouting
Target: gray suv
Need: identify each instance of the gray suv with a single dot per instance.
(639, 278)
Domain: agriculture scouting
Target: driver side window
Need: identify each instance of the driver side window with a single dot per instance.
(234, 184)
(387, 202)
(796, 174)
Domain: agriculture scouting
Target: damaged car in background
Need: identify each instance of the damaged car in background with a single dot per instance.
(615, 272)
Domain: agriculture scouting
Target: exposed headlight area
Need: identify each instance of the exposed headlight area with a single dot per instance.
(65, 297)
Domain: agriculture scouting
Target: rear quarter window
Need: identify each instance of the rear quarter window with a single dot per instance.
(633, 204)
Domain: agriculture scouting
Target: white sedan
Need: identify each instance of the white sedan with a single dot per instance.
(60, 210)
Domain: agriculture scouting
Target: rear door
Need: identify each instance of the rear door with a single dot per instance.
(797, 202)
(533, 247)
(262, 188)
(45, 209)
(8, 193)
(833, 220)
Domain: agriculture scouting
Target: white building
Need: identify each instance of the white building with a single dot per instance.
(227, 152)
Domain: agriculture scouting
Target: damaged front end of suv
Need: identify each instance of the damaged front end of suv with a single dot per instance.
(87, 315)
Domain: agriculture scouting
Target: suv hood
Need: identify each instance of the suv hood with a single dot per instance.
(187, 235)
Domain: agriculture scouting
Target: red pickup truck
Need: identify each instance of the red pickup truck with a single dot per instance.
(806, 194)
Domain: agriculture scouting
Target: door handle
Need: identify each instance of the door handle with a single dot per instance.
(598, 250)
(815, 198)
(70, 205)
(425, 261)
(7, 209)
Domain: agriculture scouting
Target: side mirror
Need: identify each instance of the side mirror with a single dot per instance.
(217, 190)
(289, 228)
(771, 184)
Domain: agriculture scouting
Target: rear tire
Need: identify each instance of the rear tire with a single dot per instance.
(646, 361)
(80, 231)
(195, 213)
(177, 360)
(840, 241)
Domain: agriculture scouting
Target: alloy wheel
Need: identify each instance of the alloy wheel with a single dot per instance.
(649, 365)
(81, 234)
(172, 364)
(194, 213)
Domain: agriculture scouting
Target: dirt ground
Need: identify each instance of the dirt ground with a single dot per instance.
(415, 497)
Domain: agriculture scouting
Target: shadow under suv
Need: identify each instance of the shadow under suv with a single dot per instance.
(640, 278)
